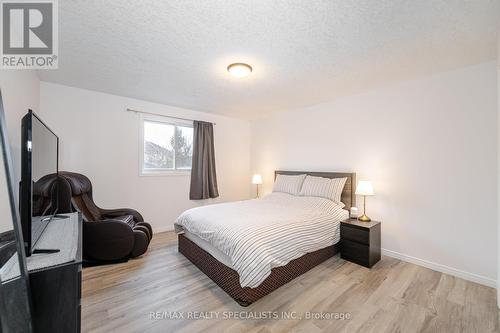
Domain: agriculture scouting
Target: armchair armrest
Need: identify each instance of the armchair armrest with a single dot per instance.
(110, 213)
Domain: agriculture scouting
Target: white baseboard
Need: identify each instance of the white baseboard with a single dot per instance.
(163, 229)
(442, 268)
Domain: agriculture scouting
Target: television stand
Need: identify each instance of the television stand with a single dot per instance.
(59, 216)
(55, 217)
(41, 251)
(56, 276)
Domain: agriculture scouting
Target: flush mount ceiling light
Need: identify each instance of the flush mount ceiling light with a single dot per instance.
(239, 69)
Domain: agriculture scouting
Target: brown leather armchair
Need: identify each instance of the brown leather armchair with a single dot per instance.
(108, 234)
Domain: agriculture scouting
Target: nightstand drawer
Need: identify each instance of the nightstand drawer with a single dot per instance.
(356, 235)
(355, 252)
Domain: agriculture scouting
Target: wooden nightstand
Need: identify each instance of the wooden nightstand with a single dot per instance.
(360, 242)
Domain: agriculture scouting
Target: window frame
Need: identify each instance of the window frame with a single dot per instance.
(163, 120)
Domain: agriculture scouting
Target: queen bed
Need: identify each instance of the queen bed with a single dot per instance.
(250, 248)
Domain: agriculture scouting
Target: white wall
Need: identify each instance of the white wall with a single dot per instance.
(498, 161)
(428, 145)
(101, 140)
(6, 222)
(20, 92)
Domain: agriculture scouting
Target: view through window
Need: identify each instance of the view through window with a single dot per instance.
(167, 146)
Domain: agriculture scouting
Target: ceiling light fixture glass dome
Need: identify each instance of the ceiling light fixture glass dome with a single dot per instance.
(239, 69)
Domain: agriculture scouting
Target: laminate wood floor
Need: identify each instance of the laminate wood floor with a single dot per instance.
(394, 296)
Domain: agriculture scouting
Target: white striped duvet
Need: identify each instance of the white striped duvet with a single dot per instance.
(260, 234)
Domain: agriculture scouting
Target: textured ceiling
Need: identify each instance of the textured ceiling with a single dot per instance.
(303, 52)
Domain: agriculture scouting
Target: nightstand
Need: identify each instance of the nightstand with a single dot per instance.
(360, 242)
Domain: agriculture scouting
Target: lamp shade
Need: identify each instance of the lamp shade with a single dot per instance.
(257, 179)
(365, 187)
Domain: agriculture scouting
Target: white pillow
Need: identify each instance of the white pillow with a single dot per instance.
(289, 184)
(324, 188)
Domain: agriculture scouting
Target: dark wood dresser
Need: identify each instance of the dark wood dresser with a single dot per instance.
(56, 286)
(360, 242)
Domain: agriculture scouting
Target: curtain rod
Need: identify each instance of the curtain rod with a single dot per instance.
(163, 115)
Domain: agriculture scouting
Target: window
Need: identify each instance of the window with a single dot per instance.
(166, 146)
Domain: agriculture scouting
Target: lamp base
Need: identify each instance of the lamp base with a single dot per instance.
(364, 218)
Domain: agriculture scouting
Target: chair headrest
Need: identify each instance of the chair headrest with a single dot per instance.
(43, 186)
(78, 182)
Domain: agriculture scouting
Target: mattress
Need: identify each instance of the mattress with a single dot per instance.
(212, 250)
(254, 236)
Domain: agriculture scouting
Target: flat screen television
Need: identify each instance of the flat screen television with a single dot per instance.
(39, 168)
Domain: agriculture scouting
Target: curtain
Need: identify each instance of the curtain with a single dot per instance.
(203, 176)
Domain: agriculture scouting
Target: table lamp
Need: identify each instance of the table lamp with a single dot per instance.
(257, 180)
(364, 188)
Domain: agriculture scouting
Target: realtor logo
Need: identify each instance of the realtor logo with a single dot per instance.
(29, 34)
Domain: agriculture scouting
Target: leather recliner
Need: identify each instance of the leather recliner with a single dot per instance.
(108, 234)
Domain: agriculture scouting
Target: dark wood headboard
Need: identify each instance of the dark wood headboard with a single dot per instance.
(348, 194)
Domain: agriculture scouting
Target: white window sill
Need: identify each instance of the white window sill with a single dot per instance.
(163, 173)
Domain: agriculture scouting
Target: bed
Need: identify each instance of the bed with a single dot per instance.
(244, 246)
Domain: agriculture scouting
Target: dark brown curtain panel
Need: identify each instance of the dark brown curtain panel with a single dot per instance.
(203, 176)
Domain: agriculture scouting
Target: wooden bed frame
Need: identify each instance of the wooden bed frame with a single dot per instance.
(229, 280)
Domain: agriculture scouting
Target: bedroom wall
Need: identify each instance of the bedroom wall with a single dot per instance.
(20, 92)
(429, 146)
(101, 140)
(498, 172)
